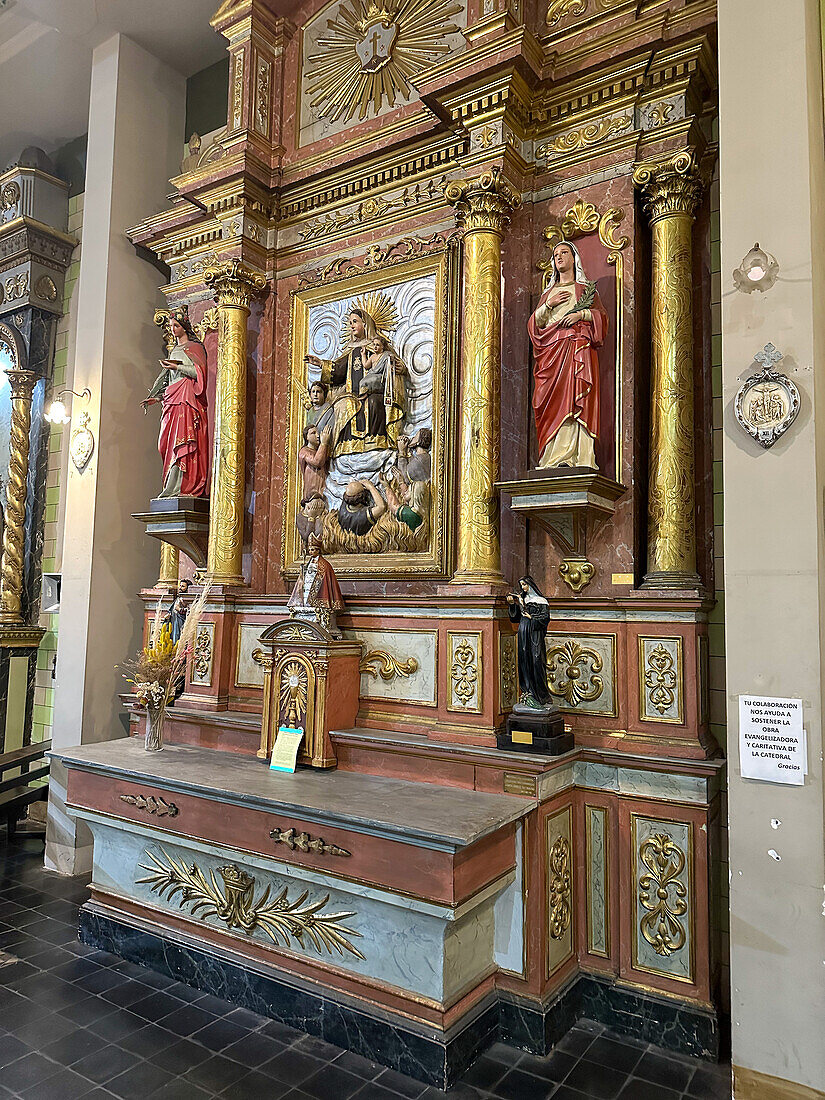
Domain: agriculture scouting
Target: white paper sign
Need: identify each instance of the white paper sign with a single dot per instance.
(285, 749)
(772, 742)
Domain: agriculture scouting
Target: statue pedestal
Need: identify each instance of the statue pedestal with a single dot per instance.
(311, 681)
(535, 732)
(182, 522)
(570, 504)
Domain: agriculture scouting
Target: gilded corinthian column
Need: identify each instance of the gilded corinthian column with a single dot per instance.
(235, 285)
(11, 565)
(671, 192)
(483, 209)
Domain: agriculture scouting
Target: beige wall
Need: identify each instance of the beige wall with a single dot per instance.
(771, 175)
(136, 121)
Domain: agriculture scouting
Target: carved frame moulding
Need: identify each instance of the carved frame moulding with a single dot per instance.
(424, 339)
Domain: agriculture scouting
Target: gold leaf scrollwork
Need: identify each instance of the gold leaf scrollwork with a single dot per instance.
(509, 672)
(10, 196)
(152, 804)
(233, 901)
(557, 9)
(584, 137)
(207, 323)
(573, 673)
(202, 660)
(380, 663)
(559, 887)
(663, 894)
(608, 224)
(576, 573)
(464, 673)
(660, 679)
(303, 842)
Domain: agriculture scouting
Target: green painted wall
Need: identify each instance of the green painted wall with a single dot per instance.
(207, 93)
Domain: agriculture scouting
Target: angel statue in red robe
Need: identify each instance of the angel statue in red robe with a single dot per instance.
(569, 324)
(184, 433)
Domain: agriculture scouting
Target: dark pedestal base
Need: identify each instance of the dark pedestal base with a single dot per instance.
(540, 733)
(437, 1057)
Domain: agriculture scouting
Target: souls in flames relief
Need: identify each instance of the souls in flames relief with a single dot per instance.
(364, 458)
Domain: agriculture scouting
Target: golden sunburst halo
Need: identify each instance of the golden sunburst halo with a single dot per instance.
(380, 307)
(372, 50)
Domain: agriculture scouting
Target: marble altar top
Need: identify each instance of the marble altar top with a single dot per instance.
(419, 813)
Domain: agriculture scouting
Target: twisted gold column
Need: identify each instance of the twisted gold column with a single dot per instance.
(235, 285)
(483, 209)
(671, 192)
(169, 566)
(11, 565)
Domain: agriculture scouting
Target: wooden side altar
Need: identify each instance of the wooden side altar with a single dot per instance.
(373, 266)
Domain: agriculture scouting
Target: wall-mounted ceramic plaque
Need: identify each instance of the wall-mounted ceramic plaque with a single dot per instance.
(767, 403)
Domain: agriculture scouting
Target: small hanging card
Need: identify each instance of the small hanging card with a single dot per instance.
(285, 750)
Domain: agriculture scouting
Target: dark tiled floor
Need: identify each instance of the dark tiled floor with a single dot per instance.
(80, 1023)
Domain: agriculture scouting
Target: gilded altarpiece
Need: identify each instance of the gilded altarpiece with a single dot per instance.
(394, 238)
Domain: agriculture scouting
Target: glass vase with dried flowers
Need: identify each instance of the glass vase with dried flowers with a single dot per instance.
(160, 668)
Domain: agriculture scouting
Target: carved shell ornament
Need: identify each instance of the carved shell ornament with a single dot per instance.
(372, 51)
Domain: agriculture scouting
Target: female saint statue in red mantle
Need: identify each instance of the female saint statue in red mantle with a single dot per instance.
(184, 432)
(569, 324)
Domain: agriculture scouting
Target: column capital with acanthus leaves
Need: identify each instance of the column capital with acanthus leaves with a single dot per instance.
(669, 185)
(483, 204)
(234, 283)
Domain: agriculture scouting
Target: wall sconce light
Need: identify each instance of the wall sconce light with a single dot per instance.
(758, 271)
(57, 413)
(82, 443)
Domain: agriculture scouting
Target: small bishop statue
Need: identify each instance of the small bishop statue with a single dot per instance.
(316, 596)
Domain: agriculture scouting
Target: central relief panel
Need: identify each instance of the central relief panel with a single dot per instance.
(370, 417)
(360, 58)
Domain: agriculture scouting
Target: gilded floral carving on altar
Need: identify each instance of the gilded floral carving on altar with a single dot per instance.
(369, 210)
(202, 656)
(573, 673)
(465, 685)
(582, 137)
(369, 415)
(663, 894)
(560, 887)
(662, 942)
(230, 898)
(581, 672)
(660, 679)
